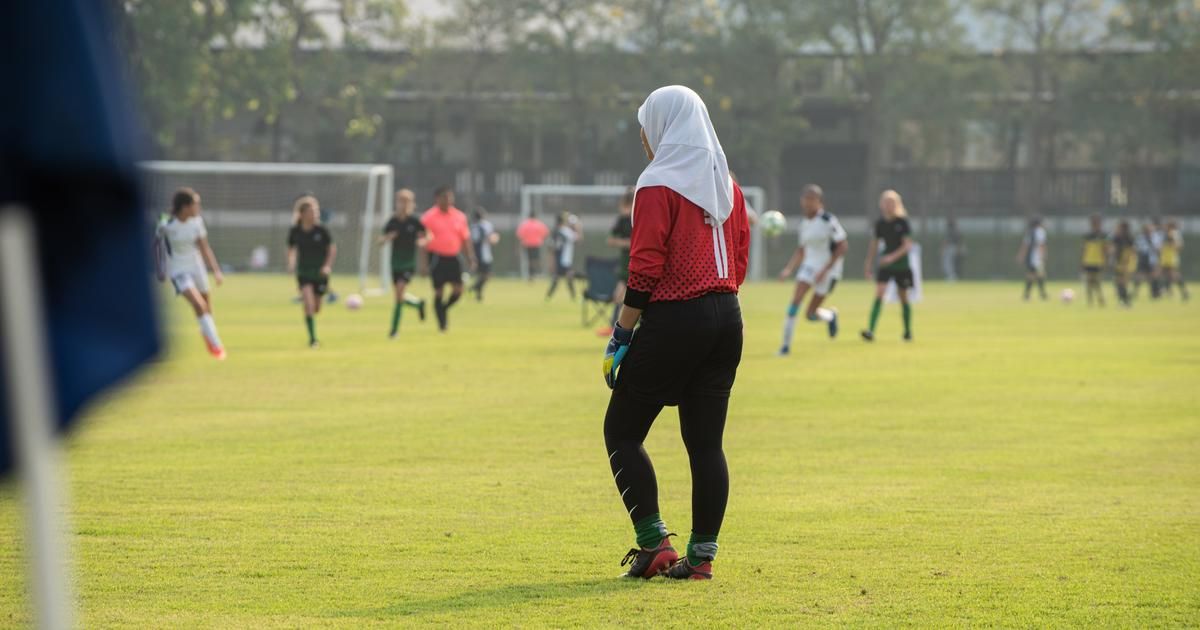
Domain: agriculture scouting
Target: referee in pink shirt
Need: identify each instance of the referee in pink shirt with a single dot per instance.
(447, 232)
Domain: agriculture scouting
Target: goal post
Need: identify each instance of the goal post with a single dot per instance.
(248, 209)
(533, 197)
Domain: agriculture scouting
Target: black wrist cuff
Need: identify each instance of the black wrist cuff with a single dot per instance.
(636, 299)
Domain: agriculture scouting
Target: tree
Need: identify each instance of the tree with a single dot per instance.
(209, 60)
(1043, 33)
(482, 30)
(563, 34)
(883, 42)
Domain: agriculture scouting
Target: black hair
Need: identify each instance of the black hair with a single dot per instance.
(441, 190)
(480, 213)
(183, 198)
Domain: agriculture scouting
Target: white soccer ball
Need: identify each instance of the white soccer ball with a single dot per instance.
(773, 223)
(354, 301)
(1068, 296)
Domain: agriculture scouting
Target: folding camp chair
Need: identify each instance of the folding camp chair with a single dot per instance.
(601, 282)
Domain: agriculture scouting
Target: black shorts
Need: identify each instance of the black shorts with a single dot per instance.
(320, 286)
(405, 276)
(534, 254)
(444, 270)
(684, 350)
(484, 267)
(903, 277)
(1144, 265)
(1092, 269)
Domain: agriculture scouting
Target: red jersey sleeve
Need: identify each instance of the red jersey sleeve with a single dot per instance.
(653, 218)
(741, 229)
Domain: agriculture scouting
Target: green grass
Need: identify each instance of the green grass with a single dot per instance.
(1028, 465)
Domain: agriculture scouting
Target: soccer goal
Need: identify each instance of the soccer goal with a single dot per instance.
(248, 209)
(597, 204)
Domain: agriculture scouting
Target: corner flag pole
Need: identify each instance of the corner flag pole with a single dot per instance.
(27, 375)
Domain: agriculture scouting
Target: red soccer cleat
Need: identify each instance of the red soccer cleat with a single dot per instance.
(216, 351)
(683, 570)
(647, 563)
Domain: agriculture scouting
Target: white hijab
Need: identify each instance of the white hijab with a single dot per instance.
(688, 157)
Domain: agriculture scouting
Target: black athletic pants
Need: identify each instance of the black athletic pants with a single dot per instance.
(684, 354)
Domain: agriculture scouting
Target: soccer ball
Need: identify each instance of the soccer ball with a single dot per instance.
(354, 301)
(773, 223)
(1068, 296)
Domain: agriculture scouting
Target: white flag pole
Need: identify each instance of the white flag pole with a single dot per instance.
(31, 408)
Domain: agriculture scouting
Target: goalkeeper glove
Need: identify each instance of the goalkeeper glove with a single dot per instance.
(618, 346)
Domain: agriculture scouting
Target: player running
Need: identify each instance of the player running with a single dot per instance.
(1032, 256)
(893, 229)
(819, 257)
(1125, 261)
(618, 237)
(407, 236)
(1095, 256)
(483, 237)
(566, 232)
(184, 248)
(311, 252)
(1169, 259)
(688, 255)
(447, 231)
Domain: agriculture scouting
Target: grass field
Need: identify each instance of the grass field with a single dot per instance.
(1029, 465)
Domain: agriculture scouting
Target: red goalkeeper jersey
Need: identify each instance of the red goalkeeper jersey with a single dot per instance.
(677, 253)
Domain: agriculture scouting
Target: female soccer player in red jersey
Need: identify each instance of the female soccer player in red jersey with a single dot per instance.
(688, 255)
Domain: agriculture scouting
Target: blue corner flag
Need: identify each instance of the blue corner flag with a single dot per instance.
(67, 155)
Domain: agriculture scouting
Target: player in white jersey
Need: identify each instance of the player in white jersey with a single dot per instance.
(183, 250)
(819, 257)
(1033, 256)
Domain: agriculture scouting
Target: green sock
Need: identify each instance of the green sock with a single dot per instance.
(650, 531)
(701, 548)
(907, 310)
(875, 308)
(396, 317)
(312, 328)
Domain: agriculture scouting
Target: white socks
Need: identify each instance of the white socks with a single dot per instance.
(789, 327)
(208, 328)
(824, 314)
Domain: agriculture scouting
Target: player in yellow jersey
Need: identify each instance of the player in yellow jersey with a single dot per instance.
(1169, 259)
(1095, 257)
(1125, 261)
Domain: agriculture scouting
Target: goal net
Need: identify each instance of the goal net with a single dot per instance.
(596, 206)
(248, 209)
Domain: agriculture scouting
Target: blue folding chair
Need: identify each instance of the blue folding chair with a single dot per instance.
(601, 274)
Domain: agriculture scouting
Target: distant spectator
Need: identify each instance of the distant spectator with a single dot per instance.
(531, 234)
(953, 251)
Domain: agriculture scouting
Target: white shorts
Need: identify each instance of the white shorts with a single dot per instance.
(808, 274)
(190, 279)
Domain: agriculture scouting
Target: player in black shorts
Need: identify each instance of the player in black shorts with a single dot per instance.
(311, 252)
(619, 237)
(406, 234)
(893, 229)
(483, 238)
